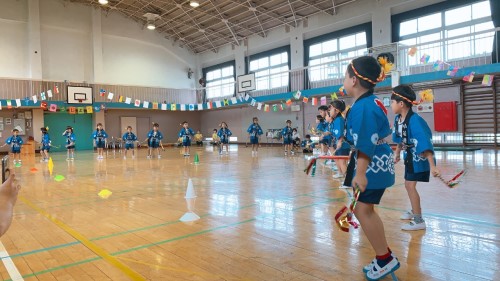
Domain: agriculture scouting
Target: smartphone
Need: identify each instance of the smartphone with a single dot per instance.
(5, 168)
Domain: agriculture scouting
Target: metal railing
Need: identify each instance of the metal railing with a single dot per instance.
(315, 76)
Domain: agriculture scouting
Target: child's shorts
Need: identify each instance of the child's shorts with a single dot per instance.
(46, 147)
(129, 146)
(154, 145)
(371, 196)
(287, 141)
(421, 177)
(326, 141)
(254, 140)
(70, 147)
(342, 152)
(99, 144)
(16, 150)
(224, 141)
(186, 143)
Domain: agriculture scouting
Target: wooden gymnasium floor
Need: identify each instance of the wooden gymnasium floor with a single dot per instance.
(262, 218)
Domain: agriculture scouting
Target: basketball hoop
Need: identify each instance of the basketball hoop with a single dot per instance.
(80, 100)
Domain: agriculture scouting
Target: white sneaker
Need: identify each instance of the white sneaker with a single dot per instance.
(286, 153)
(293, 153)
(412, 225)
(46, 160)
(369, 266)
(344, 187)
(408, 215)
(338, 176)
(159, 156)
(124, 157)
(377, 273)
(148, 157)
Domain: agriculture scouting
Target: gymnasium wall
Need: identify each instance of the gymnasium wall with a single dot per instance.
(169, 122)
(74, 47)
(14, 35)
(7, 128)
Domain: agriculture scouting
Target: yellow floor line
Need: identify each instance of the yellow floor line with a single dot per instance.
(85, 241)
(180, 270)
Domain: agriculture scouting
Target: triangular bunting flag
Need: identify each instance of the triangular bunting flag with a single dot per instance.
(191, 107)
(163, 106)
(35, 99)
(155, 105)
(183, 107)
(128, 100)
(42, 96)
(56, 89)
(209, 105)
(200, 106)
(218, 104)
(275, 107)
(97, 109)
(226, 102)
(43, 105)
(49, 93)
(102, 92)
(72, 110)
(289, 102)
(234, 100)
(120, 99)
(81, 110)
(305, 100)
(259, 106)
(145, 104)
(18, 102)
(137, 103)
(173, 107)
(487, 80)
(469, 77)
(9, 104)
(110, 96)
(297, 95)
(247, 97)
(90, 110)
(314, 101)
(266, 107)
(334, 96)
(253, 102)
(323, 100)
(53, 107)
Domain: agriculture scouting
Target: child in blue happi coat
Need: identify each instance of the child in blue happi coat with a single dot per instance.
(186, 134)
(414, 137)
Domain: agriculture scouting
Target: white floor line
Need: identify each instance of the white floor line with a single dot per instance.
(9, 264)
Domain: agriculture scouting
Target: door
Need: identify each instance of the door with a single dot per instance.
(82, 127)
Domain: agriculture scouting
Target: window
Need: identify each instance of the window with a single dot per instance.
(458, 26)
(219, 80)
(271, 71)
(329, 59)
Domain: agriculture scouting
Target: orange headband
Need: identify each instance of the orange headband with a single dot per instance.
(407, 99)
(380, 78)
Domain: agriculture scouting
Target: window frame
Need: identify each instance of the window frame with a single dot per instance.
(220, 66)
(353, 30)
(269, 54)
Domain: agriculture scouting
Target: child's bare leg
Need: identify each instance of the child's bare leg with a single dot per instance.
(372, 227)
(411, 189)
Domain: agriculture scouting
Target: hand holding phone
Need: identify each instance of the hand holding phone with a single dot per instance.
(5, 168)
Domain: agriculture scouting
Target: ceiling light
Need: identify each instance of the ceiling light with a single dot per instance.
(103, 2)
(194, 3)
(150, 20)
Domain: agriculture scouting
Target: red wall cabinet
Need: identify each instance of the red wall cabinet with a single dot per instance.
(445, 116)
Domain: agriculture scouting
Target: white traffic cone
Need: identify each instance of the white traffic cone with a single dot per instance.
(190, 201)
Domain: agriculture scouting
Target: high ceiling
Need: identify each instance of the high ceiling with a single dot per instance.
(219, 22)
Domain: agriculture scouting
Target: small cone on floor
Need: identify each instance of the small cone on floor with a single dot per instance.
(196, 160)
(190, 201)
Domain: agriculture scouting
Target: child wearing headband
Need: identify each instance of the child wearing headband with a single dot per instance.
(371, 168)
(413, 135)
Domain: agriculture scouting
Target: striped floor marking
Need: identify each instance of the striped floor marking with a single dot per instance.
(9, 264)
(86, 242)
